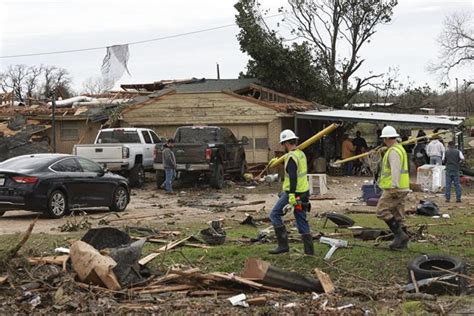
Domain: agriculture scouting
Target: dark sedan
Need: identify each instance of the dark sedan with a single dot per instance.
(57, 183)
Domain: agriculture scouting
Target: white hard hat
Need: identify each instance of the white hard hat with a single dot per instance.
(287, 135)
(389, 132)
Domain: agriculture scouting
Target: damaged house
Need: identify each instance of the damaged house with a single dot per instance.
(30, 129)
(242, 105)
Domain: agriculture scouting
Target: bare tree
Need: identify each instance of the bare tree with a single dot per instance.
(334, 27)
(56, 81)
(457, 44)
(14, 79)
(32, 81)
(94, 85)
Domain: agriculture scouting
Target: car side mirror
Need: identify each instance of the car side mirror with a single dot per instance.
(244, 141)
(102, 172)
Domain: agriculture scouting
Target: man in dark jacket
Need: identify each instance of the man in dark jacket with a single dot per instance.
(169, 163)
(453, 159)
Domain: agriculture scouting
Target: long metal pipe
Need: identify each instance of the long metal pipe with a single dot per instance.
(308, 142)
(381, 149)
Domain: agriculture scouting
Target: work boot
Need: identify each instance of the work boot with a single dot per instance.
(400, 238)
(282, 238)
(308, 244)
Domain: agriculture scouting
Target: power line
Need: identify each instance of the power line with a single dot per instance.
(130, 43)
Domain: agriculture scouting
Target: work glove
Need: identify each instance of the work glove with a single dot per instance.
(292, 199)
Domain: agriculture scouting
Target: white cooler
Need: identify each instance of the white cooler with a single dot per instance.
(431, 178)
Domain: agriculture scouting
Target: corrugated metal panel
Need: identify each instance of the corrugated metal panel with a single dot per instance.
(381, 117)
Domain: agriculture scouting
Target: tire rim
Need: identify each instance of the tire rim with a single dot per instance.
(58, 204)
(121, 198)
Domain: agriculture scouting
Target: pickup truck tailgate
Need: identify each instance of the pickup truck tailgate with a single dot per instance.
(100, 153)
(190, 153)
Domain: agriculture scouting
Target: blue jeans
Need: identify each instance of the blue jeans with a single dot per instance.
(169, 177)
(436, 160)
(452, 177)
(348, 168)
(300, 216)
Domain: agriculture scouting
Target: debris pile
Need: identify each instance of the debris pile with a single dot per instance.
(19, 136)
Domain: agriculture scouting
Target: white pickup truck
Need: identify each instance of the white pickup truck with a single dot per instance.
(128, 151)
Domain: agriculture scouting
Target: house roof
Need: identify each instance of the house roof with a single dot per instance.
(192, 85)
(382, 117)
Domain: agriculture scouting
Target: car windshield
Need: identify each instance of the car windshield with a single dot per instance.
(25, 163)
(118, 137)
(197, 135)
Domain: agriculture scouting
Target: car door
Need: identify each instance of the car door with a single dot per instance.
(97, 187)
(68, 172)
(149, 147)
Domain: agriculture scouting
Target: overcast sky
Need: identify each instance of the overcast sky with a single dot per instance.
(33, 26)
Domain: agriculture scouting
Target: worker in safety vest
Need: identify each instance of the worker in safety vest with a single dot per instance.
(295, 193)
(395, 182)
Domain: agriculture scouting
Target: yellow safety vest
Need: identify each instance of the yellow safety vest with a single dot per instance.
(302, 184)
(385, 181)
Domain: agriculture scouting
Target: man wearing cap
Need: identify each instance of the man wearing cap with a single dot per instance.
(395, 182)
(295, 192)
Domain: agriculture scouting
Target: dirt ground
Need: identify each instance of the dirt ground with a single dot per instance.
(151, 207)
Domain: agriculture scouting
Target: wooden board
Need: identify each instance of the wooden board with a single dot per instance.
(325, 281)
(171, 245)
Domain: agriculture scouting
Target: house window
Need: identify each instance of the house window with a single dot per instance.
(70, 130)
(261, 143)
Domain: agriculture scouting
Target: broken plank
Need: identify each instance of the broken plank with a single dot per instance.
(237, 279)
(58, 260)
(164, 289)
(325, 281)
(153, 255)
(211, 292)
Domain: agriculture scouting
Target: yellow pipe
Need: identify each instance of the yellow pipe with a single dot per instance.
(407, 142)
(308, 142)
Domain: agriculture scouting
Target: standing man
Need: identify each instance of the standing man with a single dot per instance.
(348, 150)
(295, 192)
(453, 159)
(435, 150)
(395, 182)
(169, 163)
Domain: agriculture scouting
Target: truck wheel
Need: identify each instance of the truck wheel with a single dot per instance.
(217, 177)
(137, 176)
(160, 178)
(120, 199)
(57, 204)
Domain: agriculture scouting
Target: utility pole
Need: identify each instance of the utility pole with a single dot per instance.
(53, 121)
(457, 96)
(218, 72)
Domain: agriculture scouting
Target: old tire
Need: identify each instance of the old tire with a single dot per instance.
(160, 178)
(340, 220)
(422, 268)
(137, 176)
(217, 177)
(57, 204)
(423, 265)
(120, 199)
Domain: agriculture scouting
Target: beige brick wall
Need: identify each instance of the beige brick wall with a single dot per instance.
(274, 130)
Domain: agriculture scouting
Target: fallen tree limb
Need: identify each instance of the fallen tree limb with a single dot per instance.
(455, 273)
(13, 252)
